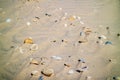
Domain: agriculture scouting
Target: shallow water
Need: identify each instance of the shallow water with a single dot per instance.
(96, 13)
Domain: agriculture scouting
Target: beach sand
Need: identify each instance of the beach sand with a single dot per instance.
(59, 35)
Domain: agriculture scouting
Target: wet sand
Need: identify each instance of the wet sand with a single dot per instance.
(62, 33)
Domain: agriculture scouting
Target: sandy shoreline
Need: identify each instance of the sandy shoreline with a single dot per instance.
(45, 36)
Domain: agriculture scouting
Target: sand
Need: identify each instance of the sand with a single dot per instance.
(60, 35)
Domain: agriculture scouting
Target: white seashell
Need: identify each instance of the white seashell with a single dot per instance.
(21, 50)
(56, 57)
(79, 18)
(88, 77)
(70, 71)
(63, 18)
(81, 22)
(30, 37)
(104, 37)
(8, 20)
(60, 8)
(34, 47)
(28, 23)
(74, 17)
(31, 59)
(66, 14)
(65, 25)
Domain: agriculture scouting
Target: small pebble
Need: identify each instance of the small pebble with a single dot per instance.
(12, 47)
(118, 34)
(108, 42)
(110, 60)
(81, 33)
(47, 14)
(82, 69)
(37, 17)
(99, 37)
(62, 40)
(81, 60)
(78, 71)
(56, 21)
(107, 28)
(67, 65)
(40, 78)
(116, 78)
(54, 41)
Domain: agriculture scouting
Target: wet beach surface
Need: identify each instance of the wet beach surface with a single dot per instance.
(55, 34)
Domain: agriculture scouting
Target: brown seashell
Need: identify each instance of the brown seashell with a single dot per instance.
(47, 72)
(28, 41)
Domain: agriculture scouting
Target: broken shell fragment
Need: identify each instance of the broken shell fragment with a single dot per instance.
(34, 47)
(35, 73)
(33, 61)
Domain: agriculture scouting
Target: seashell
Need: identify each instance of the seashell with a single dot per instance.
(21, 50)
(72, 18)
(81, 22)
(65, 25)
(70, 71)
(28, 23)
(88, 77)
(33, 61)
(34, 47)
(35, 73)
(103, 36)
(60, 8)
(8, 20)
(79, 18)
(28, 41)
(65, 14)
(56, 57)
(47, 72)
